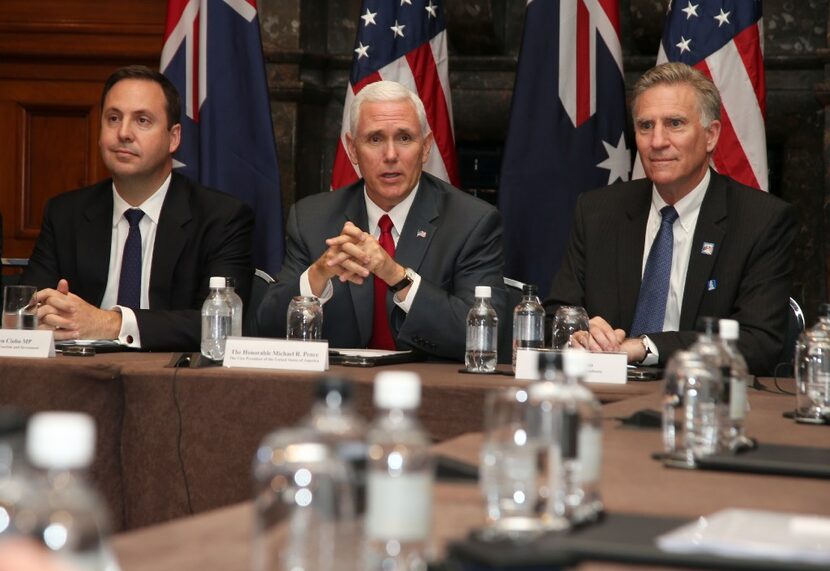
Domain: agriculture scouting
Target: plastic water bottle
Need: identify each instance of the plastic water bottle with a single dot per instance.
(217, 321)
(236, 307)
(735, 430)
(69, 518)
(528, 322)
(812, 371)
(15, 477)
(481, 355)
(583, 502)
(340, 426)
(400, 477)
(709, 346)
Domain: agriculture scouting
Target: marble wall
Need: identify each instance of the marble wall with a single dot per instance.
(309, 43)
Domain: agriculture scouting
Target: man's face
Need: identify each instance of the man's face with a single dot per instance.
(135, 143)
(389, 149)
(673, 144)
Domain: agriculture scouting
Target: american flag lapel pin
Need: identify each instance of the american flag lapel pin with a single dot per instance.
(421, 234)
(708, 248)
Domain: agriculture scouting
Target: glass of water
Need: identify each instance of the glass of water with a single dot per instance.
(508, 467)
(567, 320)
(19, 307)
(812, 375)
(304, 321)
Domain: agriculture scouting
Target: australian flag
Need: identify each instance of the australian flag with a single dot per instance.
(566, 132)
(213, 54)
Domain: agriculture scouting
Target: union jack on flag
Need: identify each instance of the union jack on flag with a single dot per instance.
(567, 129)
(723, 39)
(403, 41)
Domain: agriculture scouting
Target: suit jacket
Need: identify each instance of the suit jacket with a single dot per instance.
(452, 240)
(201, 233)
(751, 264)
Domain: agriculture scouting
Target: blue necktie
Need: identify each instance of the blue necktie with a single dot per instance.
(129, 285)
(654, 289)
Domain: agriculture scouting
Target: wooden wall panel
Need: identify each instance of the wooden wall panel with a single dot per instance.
(54, 58)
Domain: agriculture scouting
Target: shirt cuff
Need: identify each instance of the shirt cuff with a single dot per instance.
(406, 302)
(129, 334)
(305, 289)
(653, 354)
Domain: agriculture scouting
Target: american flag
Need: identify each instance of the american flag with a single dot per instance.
(566, 133)
(213, 55)
(724, 40)
(403, 41)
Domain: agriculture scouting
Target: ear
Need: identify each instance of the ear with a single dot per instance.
(175, 137)
(712, 135)
(351, 148)
(428, 142)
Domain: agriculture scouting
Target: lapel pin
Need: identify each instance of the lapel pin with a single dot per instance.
(711, 285)
(708, 248)
(421, 234)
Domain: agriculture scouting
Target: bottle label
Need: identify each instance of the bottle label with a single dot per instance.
(399, 507)
(590, 453)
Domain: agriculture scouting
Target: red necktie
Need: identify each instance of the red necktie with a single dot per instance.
(381, 332)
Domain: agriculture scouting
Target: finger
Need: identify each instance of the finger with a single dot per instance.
(361, 254)
(61, 302)
(620, 334)
(337, 259)
(355, 268)
(354, 232)
(338, 241)
(63, 286)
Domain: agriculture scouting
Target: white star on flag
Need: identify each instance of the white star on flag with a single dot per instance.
(406, 2)
(722, 18)
(397, 29)
(361, 51)
(431, 9)
(690, 10)
(683, 44)
(618, 162)
(369, 18)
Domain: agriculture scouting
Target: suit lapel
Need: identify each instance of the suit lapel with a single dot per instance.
(632, 235)
(94, 240)
(171, 237)
(711, 228)
(419, 228)
(362, 295)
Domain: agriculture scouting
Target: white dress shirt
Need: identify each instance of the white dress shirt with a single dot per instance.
(374, 213)
(129, 334)
(687, 209)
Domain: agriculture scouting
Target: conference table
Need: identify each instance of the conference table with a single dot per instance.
(632, 483)
(178, 441)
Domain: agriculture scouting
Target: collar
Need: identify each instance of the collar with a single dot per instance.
(398, 213)
(151, 206)
(688, 206)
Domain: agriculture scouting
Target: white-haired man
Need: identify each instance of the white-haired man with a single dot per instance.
(395, 257)
(647, 258)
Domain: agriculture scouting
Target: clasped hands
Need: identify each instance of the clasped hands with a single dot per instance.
(602, 337)
(353, 256)
(73, 318)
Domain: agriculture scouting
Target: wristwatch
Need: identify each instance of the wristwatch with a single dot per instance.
(646, 346)
(408, 278)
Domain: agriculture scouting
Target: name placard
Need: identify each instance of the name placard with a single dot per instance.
(35, 344)
(601, 367)
(277, 354)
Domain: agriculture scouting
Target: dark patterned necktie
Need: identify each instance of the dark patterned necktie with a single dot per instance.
(381, 332)
(654, 289)
(129, 285)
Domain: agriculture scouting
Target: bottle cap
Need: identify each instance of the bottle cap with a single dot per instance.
(61, 440)
(550, 360)
(483, 291)
(217, 281)
(542, 390)
(333, 391)
(397, 389)
(575, 362)
(529, 289)
(729, 329)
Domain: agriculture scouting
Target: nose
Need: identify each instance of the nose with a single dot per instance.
(125, 130)
(658, 137)
(390, 151)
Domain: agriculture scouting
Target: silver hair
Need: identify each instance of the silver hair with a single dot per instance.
(674, 73)
(386, 91)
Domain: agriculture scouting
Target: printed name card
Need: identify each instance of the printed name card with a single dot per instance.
(278, 354)
(27, 343)
(602, 367)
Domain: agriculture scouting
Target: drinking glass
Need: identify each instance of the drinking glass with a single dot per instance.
(19, 307)
(812, 374)
(509, 473)
(567, 320)
(304, 321)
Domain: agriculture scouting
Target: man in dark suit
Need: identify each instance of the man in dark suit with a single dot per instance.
(130, 258)
(651, 256)
(395, 257)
